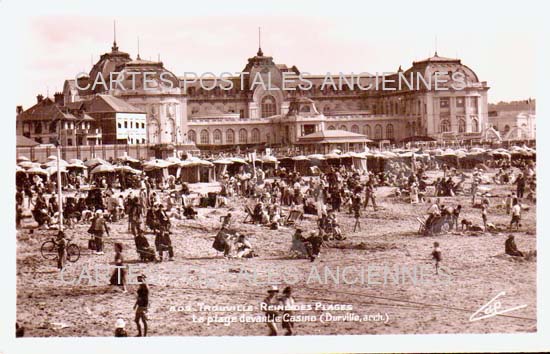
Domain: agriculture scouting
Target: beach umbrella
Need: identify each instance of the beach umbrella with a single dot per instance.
(22, 158)
(332, 155)
(19, 169)
(223, 162)
(52, 157)
(127, 169)
(238, 160)
(379, 155)
(269, 159)
(460, 153)
(476, 150)
(389, 154)
(173, 160)
(94, 162)
(449, 151)
(102, 169)
(127, 158)
(156, 165)
(53, 163)
(53, 169)
(75, 165)
(28, 164)
(76, 162)
(357, 155)
(205, 163)
(37, 170)
(316, 157)
(300, 158)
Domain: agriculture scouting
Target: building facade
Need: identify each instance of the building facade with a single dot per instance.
(120, 122)
(514, 125)
(280, 113)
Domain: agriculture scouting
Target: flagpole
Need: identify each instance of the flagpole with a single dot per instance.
(59, 190)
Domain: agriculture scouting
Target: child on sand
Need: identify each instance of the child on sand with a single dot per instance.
(436, 255)
(484, 216)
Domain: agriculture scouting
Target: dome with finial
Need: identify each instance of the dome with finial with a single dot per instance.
(445, 67)
(108, 62)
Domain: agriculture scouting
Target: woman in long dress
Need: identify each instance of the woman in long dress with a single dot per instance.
(414, 193)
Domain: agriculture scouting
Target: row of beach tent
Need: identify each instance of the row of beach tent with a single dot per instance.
(195, 168)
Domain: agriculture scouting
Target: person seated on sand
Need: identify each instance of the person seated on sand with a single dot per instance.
(313, 245)
(433, 212)
(298, 244)
(510, 247)
(258, 213)
(275, 219)
(243, 247)
(146, 252)
(176, 213)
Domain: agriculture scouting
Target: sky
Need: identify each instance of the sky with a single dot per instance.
(500, 45)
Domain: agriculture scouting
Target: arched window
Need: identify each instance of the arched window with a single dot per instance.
(475, 125)
(269, 107)
(217, 137)
(326, 110)
(506, 128)
(53, 127)
(389, 131)
(378, 131)
(243, 136)
(409, 129)
(355, 129)
(192, 136)
(205, 137)
(445, 126)
(38, 128)
(367, 131)
(462, 126)
(331, 127)
(343, 127)
(230, 136)
(255, 135)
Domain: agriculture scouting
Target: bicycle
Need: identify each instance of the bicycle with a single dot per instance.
(49, 250)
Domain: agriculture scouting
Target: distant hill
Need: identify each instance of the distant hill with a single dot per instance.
(523, 105)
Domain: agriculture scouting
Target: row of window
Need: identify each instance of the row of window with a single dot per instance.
(218, 91)
(52, 128)
(378, 130)
(137, 125)
(445, 126)
(204, 136)
(444, 102)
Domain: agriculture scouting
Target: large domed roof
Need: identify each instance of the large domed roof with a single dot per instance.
(446, 67)
(108, 62)
(157, 76)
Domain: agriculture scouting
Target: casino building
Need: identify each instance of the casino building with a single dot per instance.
(252, 115)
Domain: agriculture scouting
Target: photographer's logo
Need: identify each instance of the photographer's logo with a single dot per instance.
(493, 308)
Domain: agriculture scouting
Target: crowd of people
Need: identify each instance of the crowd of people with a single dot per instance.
(274, 198)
